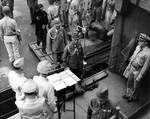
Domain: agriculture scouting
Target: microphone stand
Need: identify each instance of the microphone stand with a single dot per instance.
(83, 62)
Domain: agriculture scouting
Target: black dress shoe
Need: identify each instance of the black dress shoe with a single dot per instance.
(131, 99)
(44, 51)
(125, 97)
(12, 63)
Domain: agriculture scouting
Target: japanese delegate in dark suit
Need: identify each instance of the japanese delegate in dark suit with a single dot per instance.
(41, 22)
(31, 4)
(137, 67)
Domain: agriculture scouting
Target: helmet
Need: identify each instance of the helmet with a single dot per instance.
(18, 63)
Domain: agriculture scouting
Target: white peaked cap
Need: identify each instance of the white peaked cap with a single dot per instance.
(19, 62)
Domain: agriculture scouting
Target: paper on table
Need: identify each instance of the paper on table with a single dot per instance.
(58, 85)
(76, 78)
(72, 75)
(54, 78)
(69, 81)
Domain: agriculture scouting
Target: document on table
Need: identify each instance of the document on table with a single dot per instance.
(69, 81)
(57, 82)
(72, 75)
(54, 77)
(59, 85)
(63, 79)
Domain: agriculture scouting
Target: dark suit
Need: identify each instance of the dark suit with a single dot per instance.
(31, 4)
(41, 19)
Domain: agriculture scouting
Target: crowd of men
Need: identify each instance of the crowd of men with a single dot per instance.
(36, 98)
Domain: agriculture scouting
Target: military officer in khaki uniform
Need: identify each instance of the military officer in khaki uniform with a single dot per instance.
(45, 88)
(33, 106)
(137, 67)
(8, 34)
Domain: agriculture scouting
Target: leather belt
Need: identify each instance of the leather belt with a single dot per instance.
(137, 67)
(10, 35)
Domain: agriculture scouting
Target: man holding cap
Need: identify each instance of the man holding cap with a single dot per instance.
(33, 106)
(137, 67)
(45, 88)
(100, 107)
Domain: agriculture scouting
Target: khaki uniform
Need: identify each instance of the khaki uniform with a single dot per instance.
(58, 43)
(96, 110)
(46, 90)
(8, 28)
(33, 108)
(73, 56)
(138, 65)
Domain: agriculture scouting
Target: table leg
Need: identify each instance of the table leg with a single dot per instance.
(74, 103)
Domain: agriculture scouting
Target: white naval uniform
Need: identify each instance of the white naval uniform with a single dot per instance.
(16, 81)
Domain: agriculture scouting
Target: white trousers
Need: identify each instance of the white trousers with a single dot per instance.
(12, 47)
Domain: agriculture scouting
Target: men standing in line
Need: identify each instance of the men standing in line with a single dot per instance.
(8, 33)
(31, 4)
(57, 40)
(41, 22)
(137, 67)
